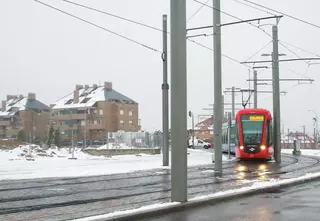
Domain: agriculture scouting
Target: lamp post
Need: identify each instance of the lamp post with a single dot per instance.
(316, 128)
(192, 116)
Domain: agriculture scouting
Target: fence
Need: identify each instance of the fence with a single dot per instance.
(124, 140)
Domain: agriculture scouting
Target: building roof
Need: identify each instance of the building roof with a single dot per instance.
(207, 124)
(14, 105)
(88, 97)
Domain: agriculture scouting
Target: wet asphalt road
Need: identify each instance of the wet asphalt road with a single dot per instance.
(300, 203)
(70, 198)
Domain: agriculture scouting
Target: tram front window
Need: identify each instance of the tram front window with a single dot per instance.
(252, 128)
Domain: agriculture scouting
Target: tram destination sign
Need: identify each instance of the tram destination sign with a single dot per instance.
(253, 117)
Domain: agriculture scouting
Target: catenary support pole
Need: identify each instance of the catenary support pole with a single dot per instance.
(179, 106)
(165, 96)
(276, 95)
(229, 133)
(233, 102)
(217, 88)
(255, 88)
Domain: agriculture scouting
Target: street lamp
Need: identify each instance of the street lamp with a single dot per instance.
(316, 128)
(192, 116)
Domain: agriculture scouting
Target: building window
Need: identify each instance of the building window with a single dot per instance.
(130, 123)
(121, 123)
(95, 122)
(101, 112)
(121, 112)
(130, 113)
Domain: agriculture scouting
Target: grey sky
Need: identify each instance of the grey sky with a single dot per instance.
(46, 52)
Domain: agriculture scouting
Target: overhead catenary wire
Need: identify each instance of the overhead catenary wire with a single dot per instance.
(300, 48)
(100, 27)
(197, 11)
(290, 16)
(148, 26)
(259, 9)
(235, 17)
(208, 48)
(279, 40)
(259, 50)
(113, 15)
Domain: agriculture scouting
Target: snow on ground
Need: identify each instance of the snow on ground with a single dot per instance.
(222, 194)
(307, 152)
(55, 163)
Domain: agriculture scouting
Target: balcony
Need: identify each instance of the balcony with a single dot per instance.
(4, 123)
(96, 126)
(70, 117)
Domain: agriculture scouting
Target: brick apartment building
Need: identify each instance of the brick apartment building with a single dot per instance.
(89, 112)
(19, 113)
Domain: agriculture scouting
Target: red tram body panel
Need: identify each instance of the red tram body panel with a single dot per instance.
(254, 134)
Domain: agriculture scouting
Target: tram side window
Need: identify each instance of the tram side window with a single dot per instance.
(269, 132)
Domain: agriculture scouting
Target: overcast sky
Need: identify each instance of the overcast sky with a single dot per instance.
(48, 53)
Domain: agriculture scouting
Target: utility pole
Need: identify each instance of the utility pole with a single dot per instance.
(217, 88)
(179, 106)
(276, 95)
(255, 88)
(165, 96)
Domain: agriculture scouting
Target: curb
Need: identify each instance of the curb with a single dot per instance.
(154, 210)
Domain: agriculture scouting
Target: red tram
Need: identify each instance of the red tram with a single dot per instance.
(253, 138)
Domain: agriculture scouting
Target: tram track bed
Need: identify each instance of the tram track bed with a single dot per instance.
(86, 196)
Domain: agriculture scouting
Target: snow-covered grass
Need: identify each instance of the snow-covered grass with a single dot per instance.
(14, 164)
(215, 196)
(307, 152)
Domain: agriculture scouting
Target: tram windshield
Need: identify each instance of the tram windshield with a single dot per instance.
(252, 128)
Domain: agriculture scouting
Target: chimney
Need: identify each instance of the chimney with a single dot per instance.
(4, 104)
(31, 96)
(9, 97)
(108, 86)
(95, 86)
(86, 87)
(78, 87)
(76, 96)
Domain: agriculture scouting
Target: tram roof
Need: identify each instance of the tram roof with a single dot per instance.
(254, 111)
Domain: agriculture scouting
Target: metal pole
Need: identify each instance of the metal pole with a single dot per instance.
(276, 95)
(217, 88)
(317, 132)
(192, 131)
(222, 108)
(85, 130)
(165, 96)
(255, 88)
(72, 144)
(179, 106)
(304, 136)
(232, 102)
(229, 132)
(249, 101)
(288, 139)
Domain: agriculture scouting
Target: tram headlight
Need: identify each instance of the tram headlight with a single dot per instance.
(241, 147)
(262, 147)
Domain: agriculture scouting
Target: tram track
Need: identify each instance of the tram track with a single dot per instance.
(157, 186)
